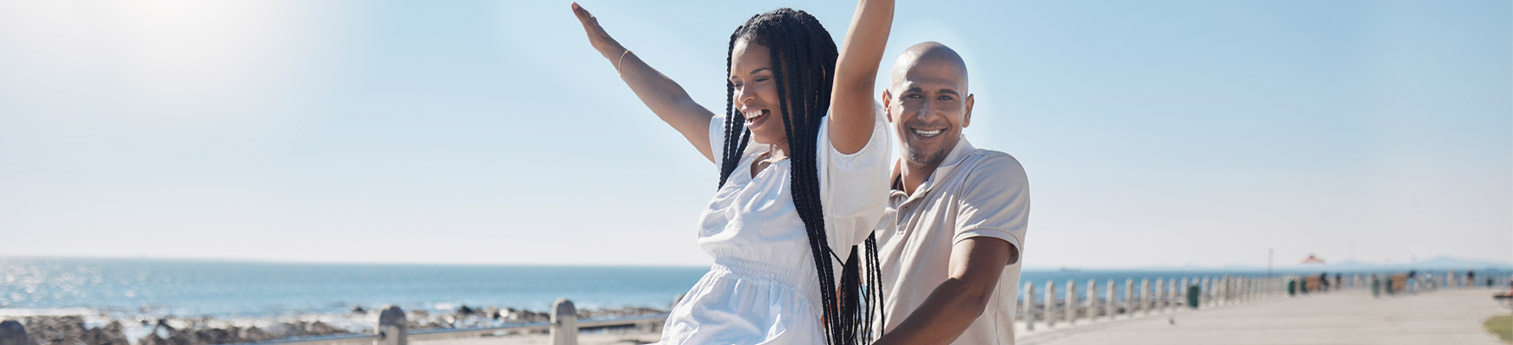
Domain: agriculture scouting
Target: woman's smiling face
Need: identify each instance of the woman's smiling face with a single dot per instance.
(756, 93)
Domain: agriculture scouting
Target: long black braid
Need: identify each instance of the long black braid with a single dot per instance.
(803, 59)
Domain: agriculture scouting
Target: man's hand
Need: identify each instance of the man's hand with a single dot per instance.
(976, 265)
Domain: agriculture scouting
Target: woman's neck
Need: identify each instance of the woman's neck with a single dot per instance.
(777, 152)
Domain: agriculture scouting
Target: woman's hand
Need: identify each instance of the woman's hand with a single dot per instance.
(601, 41)
(661, 94)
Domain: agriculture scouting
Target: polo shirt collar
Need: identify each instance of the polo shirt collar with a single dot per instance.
(953, 159)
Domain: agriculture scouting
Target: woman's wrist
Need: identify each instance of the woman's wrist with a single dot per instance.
(612, 51)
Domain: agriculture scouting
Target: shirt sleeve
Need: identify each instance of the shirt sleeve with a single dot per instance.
(995, 202)
(854, 187)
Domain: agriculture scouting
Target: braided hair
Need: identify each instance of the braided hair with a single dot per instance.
(803, 61)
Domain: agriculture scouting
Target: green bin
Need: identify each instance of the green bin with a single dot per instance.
(1192, 296)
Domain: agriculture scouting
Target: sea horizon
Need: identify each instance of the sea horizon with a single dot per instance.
(223, 288)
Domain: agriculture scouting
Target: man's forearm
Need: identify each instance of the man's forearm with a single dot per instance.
(943, 316)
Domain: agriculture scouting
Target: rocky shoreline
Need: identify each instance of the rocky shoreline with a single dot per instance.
(73, 330)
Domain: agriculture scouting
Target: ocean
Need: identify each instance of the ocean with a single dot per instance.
(127, 288)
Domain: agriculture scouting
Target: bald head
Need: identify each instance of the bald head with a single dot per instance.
(931, 56)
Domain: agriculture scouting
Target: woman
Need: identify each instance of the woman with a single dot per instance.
(815, 178)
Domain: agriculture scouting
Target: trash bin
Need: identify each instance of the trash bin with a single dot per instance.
(1292, 287)
(1192, 296)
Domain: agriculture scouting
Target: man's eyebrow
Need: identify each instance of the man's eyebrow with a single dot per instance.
(950, 91)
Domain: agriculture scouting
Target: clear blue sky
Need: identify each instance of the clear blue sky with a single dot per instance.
(1153, 132)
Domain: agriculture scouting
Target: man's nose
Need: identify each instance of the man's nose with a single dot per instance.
(926, 110)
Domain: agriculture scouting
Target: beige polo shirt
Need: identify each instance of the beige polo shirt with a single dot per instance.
(974, 193)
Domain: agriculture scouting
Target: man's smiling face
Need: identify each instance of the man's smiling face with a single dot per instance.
(928, 103)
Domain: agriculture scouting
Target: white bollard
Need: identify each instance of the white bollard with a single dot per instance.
(1158, 299)
(1071, 302)
(1182, 293)
(1092, 300)
(1050, 304)
(392, 328)
(564, 323)
(12, 332)
(1129, 297)
(1029, 306)
(1108, 299)
(1145, 295)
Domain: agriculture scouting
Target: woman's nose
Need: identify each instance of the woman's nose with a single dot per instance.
(742, 97)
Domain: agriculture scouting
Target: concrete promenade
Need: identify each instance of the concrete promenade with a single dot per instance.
(1447, 317)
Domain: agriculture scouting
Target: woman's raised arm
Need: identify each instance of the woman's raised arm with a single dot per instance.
(851, 103)
(661, 94)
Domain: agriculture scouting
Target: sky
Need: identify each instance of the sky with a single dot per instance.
(1153, 133)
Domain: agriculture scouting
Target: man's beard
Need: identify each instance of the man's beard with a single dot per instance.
(928, 158)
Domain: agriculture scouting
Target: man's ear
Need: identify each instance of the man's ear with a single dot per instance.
(966, 120)
(887, 110)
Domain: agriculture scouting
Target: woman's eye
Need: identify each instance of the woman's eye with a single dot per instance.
(761, 79)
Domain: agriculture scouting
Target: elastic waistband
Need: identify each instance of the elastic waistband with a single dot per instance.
(800, 276)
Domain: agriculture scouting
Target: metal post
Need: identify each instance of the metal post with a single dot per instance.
(392, 328)
(564, 323)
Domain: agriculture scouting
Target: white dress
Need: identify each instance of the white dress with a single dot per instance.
(763, 287)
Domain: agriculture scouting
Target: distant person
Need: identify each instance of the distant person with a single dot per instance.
(1339, 280)
(1324, 281)
(954, 230)
(1470, 278)
(803, 159)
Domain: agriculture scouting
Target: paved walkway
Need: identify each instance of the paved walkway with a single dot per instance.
(1449, 317)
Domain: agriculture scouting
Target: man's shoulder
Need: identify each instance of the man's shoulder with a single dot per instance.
(993, 165)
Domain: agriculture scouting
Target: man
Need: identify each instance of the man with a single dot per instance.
(951, 239)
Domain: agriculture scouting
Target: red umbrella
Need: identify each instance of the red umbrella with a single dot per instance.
(1312, 260)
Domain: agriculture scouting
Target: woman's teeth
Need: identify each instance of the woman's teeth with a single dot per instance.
(752, 116)
(929, 133)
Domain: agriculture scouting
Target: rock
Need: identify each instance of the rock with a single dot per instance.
(255, 334)
(152, 339)
(55, 330)
(109, 335)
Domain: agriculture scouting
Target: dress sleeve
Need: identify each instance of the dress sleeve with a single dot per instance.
(995, 202)
(717, 141)
(854, 187)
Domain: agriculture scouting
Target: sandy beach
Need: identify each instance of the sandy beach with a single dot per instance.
(629, 337)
